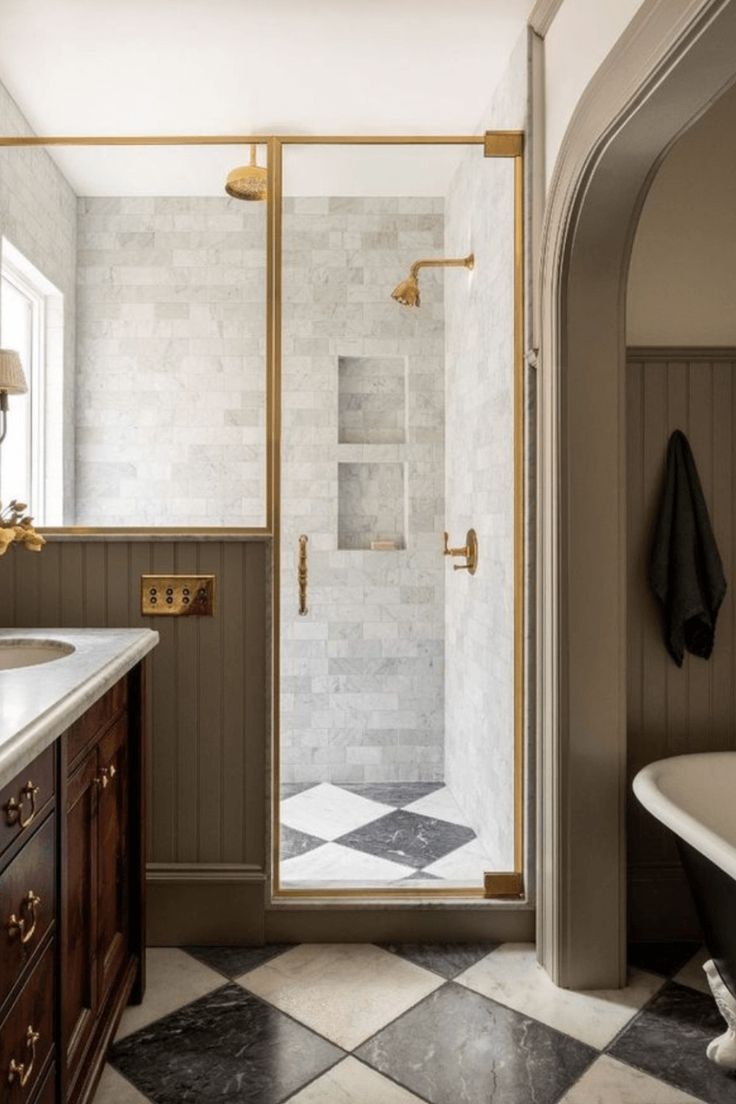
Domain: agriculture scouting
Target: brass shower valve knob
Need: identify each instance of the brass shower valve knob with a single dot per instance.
(469, 551)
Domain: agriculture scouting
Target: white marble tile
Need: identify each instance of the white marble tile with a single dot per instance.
(442, 805)
(334, 864)
(344, 991)
(351, 1082)
(692, 973)
(115, 1089)
(467, 864)
(511, 976)
(611, 1082)
(173, 978)
(327, 811)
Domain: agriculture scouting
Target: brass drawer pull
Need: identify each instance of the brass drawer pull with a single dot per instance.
(19, 1070)
(14, 809)
(18, 923)
(303, 575)
(106, 775)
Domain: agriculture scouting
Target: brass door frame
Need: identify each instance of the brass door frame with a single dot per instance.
(500, 885)
(506, 886)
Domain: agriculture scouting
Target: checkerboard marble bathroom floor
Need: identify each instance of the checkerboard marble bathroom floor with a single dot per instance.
(377, 834)
(408, 1023)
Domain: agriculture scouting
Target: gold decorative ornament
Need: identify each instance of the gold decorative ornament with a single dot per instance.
(16, 527)
(407, 292)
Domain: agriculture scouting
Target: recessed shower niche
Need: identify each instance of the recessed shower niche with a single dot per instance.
(371, 400)
(371, 509)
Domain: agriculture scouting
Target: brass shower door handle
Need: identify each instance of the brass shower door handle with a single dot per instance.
(469, 551)
(303, 575)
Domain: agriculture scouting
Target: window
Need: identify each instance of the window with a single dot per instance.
(30, 455)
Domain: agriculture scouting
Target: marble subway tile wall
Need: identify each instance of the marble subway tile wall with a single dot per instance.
(170, 361)
(479, 487)
(38, 217)
(362, 679)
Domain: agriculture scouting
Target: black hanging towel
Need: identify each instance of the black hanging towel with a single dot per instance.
(685, 571)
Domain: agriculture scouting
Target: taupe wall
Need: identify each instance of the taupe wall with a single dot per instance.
(671, 710)
(208, 692)
(682, 279)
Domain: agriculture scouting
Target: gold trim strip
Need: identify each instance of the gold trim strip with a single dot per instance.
(519, 504)
(275, 188)
(242, 140)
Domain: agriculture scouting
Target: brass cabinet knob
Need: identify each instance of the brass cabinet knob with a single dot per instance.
(21, 1071)
(14, 807)
(19, 923)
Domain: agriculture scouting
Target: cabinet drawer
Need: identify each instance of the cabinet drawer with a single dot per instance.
(47, 1095)
(27, 904)
(94, 721)
(27, 1033)
(24, 801)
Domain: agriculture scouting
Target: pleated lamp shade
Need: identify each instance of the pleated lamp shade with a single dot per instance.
(12, 378)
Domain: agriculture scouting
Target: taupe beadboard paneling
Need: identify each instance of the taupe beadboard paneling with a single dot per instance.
(672, 711)
(208, 686)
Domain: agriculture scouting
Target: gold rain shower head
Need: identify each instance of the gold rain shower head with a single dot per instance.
(407, 292)
(247, 181)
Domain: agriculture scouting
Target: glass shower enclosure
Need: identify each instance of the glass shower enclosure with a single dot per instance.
(398, 759)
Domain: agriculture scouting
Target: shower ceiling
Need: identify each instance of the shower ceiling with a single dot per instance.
(236, 66)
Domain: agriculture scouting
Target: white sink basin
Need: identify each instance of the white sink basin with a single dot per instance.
(29, 652)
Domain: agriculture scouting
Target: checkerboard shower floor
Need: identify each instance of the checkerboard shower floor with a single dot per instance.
(377, 834)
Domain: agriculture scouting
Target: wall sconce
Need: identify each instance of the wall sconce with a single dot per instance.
(16, 527)
(12, 382)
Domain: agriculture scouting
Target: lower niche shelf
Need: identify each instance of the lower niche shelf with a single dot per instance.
(371, 505)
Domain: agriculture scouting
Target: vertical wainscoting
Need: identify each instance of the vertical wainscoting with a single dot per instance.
(673, 711)
(208, 703)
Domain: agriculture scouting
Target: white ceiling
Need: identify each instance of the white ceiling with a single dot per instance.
(239, 66)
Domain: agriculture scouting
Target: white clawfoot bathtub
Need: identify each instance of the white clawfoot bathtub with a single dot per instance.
(695, 796)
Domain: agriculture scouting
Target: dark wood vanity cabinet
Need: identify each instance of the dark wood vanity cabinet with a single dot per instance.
(71, 902)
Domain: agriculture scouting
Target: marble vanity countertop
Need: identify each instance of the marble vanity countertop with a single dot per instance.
(38, 703)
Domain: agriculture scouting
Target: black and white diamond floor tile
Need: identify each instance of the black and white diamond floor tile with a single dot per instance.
(443, 1024)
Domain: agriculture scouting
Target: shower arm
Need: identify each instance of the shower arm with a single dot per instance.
(454, 262)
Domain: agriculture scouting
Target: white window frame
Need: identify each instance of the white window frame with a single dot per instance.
(36, 378)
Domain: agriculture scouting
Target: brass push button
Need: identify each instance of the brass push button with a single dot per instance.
(177, 595)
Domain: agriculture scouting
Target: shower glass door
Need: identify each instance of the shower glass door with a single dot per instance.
(398, 756)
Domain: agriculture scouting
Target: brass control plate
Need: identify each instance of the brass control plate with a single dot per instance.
(177, 595)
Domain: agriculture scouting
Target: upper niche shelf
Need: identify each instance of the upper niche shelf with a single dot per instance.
(371, 400)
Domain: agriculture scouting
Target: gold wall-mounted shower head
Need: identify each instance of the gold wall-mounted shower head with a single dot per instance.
(407, 292)
(247, 181)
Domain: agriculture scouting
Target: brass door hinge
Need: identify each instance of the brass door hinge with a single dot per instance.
(503, 143)
(503, 885)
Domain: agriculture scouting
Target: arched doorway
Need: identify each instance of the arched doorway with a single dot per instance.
(675, 58)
